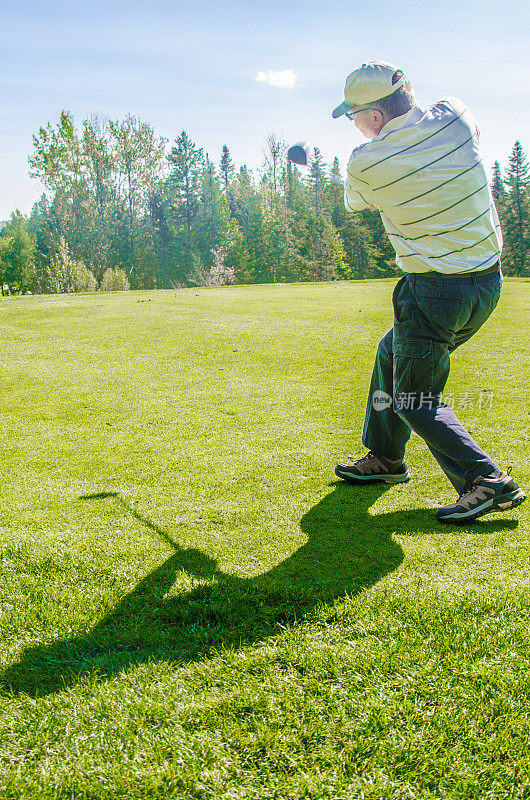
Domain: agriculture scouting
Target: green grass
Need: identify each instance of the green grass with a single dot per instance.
(193, 607)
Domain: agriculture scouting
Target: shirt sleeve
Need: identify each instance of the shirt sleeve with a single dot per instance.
(465, 114)
(355, 191)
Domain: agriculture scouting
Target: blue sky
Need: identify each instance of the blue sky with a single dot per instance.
(193, 66)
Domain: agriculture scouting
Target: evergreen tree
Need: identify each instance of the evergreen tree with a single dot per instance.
(385, 255)
(498, 190)
(280, 237)
(317, 180)
(359, 250)
(226, 168)
(215, 232)
(249, 217)
(298, 213)
(184, 195)
(516, 224)
(45, 230)
(323, 253)
(186, 162)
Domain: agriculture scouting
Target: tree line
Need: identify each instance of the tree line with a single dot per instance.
(122, 209)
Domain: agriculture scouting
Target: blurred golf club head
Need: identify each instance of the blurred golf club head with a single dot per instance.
(299, 153)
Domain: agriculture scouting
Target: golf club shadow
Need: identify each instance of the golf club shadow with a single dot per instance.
(341, 555)
(347, 550)
(98, 495)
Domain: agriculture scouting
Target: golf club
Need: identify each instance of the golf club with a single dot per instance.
(298, 154)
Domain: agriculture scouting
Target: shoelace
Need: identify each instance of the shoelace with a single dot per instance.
(468, 488)
(366, 457)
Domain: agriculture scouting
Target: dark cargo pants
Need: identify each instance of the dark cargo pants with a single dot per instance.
(433, 315)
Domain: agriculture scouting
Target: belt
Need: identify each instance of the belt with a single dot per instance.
(494, 268)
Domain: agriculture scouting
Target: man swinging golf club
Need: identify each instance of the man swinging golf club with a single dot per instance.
(423, 170)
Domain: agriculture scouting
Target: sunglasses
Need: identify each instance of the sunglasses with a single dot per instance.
(351, 114)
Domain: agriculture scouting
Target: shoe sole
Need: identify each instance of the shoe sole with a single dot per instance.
(402, 477)
(503, 502)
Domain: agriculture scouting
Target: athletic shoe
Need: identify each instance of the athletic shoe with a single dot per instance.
(372, 468)
(494, 492)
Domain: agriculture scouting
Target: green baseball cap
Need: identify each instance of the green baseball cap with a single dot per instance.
(367, 84)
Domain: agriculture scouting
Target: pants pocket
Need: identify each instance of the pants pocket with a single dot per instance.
(413, 366)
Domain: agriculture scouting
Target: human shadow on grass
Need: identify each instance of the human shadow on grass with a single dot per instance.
(347, 550)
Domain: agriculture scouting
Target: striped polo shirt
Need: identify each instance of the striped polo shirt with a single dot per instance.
(424, 172)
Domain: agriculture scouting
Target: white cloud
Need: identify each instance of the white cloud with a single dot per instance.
(283, 79)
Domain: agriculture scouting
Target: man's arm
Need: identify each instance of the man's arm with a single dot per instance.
(355, 191)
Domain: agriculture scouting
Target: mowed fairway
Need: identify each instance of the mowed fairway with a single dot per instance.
(192, 606)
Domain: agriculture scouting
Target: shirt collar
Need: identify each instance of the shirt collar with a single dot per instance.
(410, 118)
